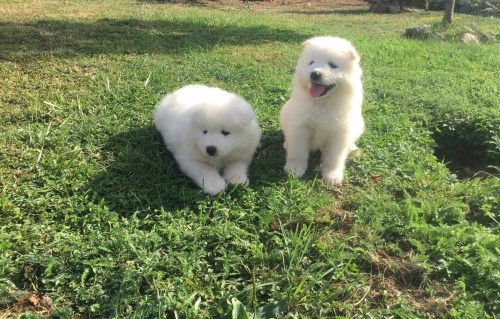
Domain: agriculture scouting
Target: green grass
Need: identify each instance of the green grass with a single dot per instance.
(96, 220)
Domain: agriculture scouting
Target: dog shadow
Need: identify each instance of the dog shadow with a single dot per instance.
(269, 161)
(141, 175)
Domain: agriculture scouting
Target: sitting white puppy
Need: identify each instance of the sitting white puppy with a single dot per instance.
(324, 110)
(212, 134)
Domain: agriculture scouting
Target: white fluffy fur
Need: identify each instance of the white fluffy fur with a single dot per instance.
(330, 123)
(196, 119)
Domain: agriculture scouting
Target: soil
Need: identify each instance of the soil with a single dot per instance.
(287, 4)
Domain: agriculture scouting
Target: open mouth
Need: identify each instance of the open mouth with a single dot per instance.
(318, 90)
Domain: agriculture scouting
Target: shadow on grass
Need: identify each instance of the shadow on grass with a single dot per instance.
(270, 158)
(141, 175)
(138, 168)
(66, 39)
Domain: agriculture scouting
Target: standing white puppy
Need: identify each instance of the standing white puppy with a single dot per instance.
(212, 134)
(324, 110)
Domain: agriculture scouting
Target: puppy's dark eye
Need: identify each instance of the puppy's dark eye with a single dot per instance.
(310, 63)
(225, 133)
(333, 66)
(205, 132)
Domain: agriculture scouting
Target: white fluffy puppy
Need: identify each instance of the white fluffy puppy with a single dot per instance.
(324, 110)
(212, 134)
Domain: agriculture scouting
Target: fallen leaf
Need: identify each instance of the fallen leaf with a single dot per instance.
(46, 301)
(34, 300)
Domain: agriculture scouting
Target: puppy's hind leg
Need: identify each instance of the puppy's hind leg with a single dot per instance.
(333, 157)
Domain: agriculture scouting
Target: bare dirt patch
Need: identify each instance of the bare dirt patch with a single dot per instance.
(289, 4)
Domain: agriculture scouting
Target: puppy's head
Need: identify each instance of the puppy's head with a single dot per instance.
(327, 64)
(220, 129)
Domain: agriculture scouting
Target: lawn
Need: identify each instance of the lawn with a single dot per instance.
(97, 221)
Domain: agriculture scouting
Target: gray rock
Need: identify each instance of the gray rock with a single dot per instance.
(468, 38)
(394, 9)
(438, 36)
(379, 8)
(489, 12)
(419, 32)
(437, 5)
(487, 4)
(466, 8)
(412, 9)
(487, 37)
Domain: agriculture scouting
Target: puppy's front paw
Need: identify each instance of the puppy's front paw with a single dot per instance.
(333, 177)
(237, 179)
(214, 187)
(236, 173)
(297, 169)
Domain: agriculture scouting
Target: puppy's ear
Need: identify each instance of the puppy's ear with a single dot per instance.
(245, 116)
(353, 55)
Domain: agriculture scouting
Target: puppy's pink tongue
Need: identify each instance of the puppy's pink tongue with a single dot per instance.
(316, 89)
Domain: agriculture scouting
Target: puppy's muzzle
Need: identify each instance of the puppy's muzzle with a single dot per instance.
(315, 76)
(211, 150)
(319, 88)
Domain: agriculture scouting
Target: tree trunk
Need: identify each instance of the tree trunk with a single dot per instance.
(448, 11)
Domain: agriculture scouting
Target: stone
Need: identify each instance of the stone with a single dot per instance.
(379, 8)
(437, 5)
(466, 8)
(412, 9)
(487, 37)
(394, 9)
(438, 36)
(468, 38)
(419, 32)
(487, 4)
(489, 12)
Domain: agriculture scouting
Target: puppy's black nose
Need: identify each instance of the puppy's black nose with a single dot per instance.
(211, 150)
(315, 76)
